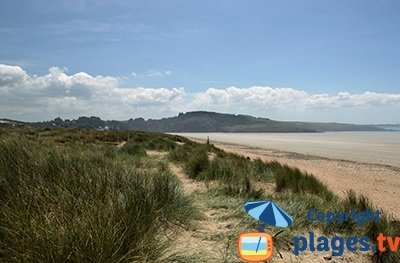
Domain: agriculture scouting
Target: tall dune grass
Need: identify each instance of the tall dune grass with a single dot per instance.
(298, 182)
(78, 205)
(71, 195)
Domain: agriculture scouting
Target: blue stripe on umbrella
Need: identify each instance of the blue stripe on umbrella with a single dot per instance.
(257, 211)
(251, 205)
(280, 220)
(268, 213)
(287, 217)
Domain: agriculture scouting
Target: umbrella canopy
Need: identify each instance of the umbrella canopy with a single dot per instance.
(269, 213)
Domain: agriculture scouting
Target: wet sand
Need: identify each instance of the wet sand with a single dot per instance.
(379, 181)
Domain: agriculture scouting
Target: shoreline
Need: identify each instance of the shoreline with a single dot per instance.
(355, 146)
(379, 182)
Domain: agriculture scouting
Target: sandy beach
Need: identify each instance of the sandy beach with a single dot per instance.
(380, 182)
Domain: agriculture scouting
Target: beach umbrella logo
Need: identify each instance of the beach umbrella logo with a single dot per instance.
(258, 246)
(268, 213)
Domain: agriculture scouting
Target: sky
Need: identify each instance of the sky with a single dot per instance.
(307, 60)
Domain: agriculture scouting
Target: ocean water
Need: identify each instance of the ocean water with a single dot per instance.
(368, 147)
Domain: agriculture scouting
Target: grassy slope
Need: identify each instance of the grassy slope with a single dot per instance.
(73, 195)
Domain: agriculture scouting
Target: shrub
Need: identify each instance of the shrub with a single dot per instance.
(262, 171)
(220, 168)
(182, 152)
(197, 163)
(358, 202)
(292, 178)
(132, 148)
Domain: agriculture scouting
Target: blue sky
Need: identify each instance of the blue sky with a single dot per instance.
(201, 48)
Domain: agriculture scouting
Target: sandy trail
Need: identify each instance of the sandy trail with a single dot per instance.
(203, 239)
(121, 144)
(189, 185)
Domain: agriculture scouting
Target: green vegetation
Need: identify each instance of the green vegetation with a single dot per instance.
(82, 203)
(292, 178)
(83, 195)
(198, 121)
(133, 148)
(237, 181)
(388, 226)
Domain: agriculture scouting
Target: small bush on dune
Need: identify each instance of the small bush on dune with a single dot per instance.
(221, 169)
(132, 148)
(292, 178)
(262, 171)
(181, 153)
(161, 144)
(193, 157)
(240, 185)
(197, 163)
(234, 172)
(358, 202)
(157, 141)
(235, 175)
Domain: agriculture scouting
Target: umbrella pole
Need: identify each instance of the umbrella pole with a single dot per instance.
(278, 233)
(277, 249)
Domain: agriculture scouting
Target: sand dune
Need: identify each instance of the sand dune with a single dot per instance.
(340, 169)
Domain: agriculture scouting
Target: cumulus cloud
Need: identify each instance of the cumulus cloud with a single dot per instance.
(253, 96)
(279, 98)
(27, 96)
(345, 99)
(57, 93)
(11, 75)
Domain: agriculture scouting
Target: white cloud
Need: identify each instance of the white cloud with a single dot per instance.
(259, 96)
(157, 73)
(281, 98)
(152, 74)
(30, 97)
(25, 96)
(11, 75)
